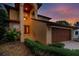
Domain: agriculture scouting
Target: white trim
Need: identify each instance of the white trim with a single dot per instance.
(49, 35)
(72, 34)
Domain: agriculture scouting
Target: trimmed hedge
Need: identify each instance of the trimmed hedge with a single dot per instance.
(38, 49)
(60, 45)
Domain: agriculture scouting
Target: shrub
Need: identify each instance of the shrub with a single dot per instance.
(39, 42)
(60, 45)
(38, 49)
(12, 35)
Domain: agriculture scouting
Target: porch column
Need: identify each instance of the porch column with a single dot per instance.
(72, 33)
(49, 35)
(21, 22)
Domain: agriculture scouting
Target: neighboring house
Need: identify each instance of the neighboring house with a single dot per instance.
(76, 32)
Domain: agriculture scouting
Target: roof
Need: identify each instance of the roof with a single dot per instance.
(49, 23)
(39, 5)
(17, 4)
(9, 7)
(44, 17)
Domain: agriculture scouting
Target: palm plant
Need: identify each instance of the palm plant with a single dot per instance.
(12, 35)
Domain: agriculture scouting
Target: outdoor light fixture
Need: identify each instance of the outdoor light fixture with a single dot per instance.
(24, 18)
(26, 9)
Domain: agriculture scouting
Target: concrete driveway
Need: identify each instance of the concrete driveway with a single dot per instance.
(71, 44)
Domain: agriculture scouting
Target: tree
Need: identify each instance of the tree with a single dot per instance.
(63, 23)
(76, 24)
(3, 22)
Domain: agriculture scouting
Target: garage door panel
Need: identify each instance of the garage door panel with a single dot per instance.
(60, 34)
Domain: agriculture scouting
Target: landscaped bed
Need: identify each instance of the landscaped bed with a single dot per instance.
(17, 48)
(35, 48)
(40, 49)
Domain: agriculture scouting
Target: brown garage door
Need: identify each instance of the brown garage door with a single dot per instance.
(59, 34)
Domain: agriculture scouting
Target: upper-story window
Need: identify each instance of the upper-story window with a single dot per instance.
(33, 14)
(13, 14)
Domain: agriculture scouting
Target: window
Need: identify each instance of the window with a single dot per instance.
(33, 14)
(13, 14)
(76, 32)
(26, 29)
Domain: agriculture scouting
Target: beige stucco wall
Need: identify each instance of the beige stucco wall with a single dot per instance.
(37, 30)
(14, 15)
(14, 25)
(28, 22)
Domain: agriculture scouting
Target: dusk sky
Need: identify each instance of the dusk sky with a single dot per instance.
(60, 11)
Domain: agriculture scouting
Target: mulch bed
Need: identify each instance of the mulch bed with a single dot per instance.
(14, 49)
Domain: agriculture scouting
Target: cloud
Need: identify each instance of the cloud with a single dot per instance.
(59, 11)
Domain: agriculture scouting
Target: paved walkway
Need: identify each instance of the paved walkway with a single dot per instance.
(71, 44)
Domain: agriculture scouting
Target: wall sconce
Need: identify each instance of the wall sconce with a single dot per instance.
(26, 9)
(24, 18)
